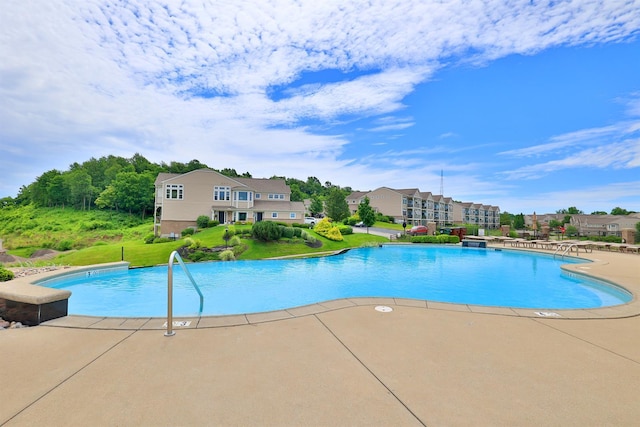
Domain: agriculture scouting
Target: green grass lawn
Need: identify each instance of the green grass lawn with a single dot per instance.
(139, 254)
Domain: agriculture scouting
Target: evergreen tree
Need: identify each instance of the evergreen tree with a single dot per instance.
(336, 204)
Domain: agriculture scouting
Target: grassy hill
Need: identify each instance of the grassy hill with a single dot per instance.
(95, 237)
(26, 228)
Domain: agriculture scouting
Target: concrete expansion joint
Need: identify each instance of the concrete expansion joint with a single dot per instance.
(373, 374)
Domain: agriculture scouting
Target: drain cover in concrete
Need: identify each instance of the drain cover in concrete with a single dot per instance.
(546, 314)
(384, 308)
(178, 323)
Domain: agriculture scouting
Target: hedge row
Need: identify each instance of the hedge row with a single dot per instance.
(440, 238)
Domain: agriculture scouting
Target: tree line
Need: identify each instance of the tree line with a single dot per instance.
(127, 185)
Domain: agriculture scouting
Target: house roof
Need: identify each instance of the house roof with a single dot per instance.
(261, 185)
(408, 191)
(265, 185)
(163, 176)
(357, 194)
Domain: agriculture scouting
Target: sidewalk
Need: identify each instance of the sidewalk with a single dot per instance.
(421, 364)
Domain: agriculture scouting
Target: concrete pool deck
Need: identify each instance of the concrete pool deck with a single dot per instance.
(345, 364)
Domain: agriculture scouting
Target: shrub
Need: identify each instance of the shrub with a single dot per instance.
(441, 238)
(64, 245)
(453, 239)
(345, 229)
(323, 226)
(149, 238)
(297, 232)
(352, 220)
(192, 244)
(266, 231)
(229, 232)
(187, 231)
(234, 241)
(227, 255)
(5, 275)
(287, 232)
(384, 218)
(200, 255)
(94, 225)
(308, 238)
(202, 221)
(326, 229)
(238, 249)
(245, 233)
(197, 256)
(334, 234)
(298, 225)
(161, 240)
(213, 223)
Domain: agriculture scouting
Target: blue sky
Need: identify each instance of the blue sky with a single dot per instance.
(530, 106)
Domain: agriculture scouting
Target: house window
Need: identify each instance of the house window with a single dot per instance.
(257, 195)
(175, 191)
(274, 214)
(242, 216)
(242, 195)
(221, 193)
(292, 215)
(276, 196)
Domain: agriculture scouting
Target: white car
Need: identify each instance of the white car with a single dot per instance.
(310, 220)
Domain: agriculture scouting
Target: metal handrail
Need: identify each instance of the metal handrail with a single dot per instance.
(567, 248)
(176, 255)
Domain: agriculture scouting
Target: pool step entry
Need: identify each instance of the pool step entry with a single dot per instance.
(176, 256)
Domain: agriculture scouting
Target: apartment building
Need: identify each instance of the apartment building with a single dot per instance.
(419, 208)
(484, 216)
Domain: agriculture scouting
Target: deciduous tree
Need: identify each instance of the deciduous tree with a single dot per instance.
(366, 213)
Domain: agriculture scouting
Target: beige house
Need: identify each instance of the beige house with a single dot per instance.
(591, 225)
(181, 198)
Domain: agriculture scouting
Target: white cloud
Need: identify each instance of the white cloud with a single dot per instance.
(83, 79)
(621, 155)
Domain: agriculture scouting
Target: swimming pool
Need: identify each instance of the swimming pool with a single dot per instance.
(436, 273)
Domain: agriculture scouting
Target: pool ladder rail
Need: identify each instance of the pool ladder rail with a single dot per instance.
(567, 248)
(176, 256)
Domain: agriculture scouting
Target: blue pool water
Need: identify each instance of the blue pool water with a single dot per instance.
(435, 273)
